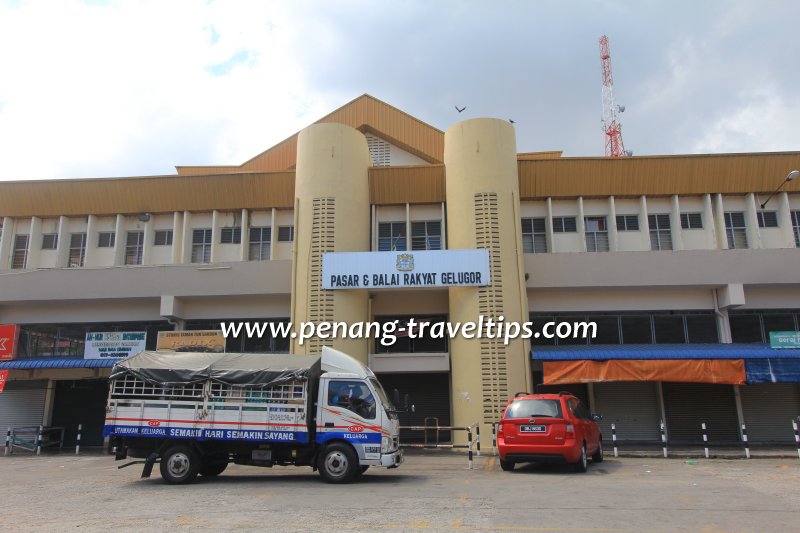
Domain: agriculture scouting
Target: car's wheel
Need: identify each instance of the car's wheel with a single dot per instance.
(179, 464)
(582, 463)
(507, 465)
(338, 463)
(213, 468)
(597, 457)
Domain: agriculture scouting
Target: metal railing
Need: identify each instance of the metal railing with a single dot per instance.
(473, 438)
(33, 438)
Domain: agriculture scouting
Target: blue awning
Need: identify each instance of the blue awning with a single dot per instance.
(57, 362)
(600, 352)
(772, 370)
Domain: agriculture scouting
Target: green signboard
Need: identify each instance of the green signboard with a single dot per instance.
(784, 339)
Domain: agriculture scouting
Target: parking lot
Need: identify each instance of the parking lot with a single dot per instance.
(432, 491)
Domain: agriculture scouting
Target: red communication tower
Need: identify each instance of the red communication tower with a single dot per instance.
(612, 128)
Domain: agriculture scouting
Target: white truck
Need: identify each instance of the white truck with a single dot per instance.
(194, 413)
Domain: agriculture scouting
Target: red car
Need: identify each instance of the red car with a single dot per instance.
(548, 428)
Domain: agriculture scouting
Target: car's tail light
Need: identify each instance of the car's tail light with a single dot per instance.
(500, 429)
(570, 431)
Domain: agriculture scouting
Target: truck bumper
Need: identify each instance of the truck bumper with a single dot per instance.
(392, 460)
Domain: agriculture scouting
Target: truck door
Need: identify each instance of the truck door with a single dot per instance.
(349, 412)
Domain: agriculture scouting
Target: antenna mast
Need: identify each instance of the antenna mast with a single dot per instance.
(612, 128)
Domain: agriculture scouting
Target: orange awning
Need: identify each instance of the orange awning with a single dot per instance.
(730, 371)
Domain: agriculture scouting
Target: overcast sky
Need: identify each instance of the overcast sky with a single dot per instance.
(117, 88)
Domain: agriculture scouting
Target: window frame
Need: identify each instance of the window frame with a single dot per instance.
(201, 250)
(531, 236)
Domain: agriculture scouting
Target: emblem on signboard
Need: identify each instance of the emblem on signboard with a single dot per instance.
(405, 262)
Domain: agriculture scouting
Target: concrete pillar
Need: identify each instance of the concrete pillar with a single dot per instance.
(216, 224)
(644, 222)
(244, 248)
(91, 241)
(709, 224)
(6, 243)
(331, 214)
(751, 220)
(186, 239)
(785, 221)
(719, 222)
(177, 237)
(677, 229)
(147, 244)
(581, 225)
(613, 244)
(273, 233)
(548, 227)
(62, 248)
(34, 242)
(120, 240)
(483, 211)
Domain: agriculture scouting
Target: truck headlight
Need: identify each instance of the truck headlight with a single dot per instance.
(385, 444)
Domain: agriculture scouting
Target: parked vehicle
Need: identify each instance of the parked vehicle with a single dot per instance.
(548, 428)
(194, 413)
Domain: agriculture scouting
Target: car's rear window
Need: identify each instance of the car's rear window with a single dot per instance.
(531, 408)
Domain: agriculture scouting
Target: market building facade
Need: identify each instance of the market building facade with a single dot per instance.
(684, 271)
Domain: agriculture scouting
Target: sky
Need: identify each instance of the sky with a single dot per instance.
(99, 88)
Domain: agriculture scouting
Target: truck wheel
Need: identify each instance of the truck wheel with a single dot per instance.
(338, 463)
(179, 465)
(213, 468)
(361, 470)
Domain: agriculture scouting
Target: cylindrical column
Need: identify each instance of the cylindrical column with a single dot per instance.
(483, 212)
(332, 214)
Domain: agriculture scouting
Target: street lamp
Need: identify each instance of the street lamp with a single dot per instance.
(789, 177)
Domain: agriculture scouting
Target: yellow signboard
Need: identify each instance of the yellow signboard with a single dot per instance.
(191, 341)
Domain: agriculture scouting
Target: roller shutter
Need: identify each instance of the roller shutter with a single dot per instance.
(579, 390)
(22, 404)
(430, 395)
(689, 404)
(633, 407)
(769, 409)
(81, 402)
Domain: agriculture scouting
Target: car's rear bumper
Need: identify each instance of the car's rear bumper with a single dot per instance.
(569, 452)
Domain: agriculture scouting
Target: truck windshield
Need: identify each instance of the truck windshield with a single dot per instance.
(391, 412)
(354, 396)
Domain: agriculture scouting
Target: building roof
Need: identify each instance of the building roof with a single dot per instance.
(603, 352)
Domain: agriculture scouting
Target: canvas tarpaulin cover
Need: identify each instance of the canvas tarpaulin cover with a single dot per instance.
(249, 369)
(730, 371)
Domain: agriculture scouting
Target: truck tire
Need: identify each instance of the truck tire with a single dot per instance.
(179, 465)
(338, 463)
(213, 468)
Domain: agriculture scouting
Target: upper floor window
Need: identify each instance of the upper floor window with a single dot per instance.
(49, 241)
(260, 242)
(660, 232)
(163, 237)
(426, 235)
(755, 326)
(596, 234)
(534, 236)
(691, 220)
(230, 236)
(106, 239)
(285, 233)
(134, 248)
(767, 219)
(796, 227)
(391, 236)
(627, 222)
(735, 229)
(564, 225)
(77, 250)
(20, 257)
(201, 245)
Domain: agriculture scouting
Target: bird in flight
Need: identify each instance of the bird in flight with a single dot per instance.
(460, 109)
(511, 121)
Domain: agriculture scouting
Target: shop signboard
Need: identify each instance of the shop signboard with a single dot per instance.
(113, 344)
(784, 339)
(3, 379)
(191, 341)
(9, 337)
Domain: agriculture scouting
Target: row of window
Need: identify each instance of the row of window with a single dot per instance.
(259, 244)
(534, 233)
(425, 235)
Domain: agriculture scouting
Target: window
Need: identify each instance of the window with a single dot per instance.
(767, 219)
(354, 396)
(163, 237)
(106, 239)
(534, 236)
(429, 334)
(596, 234)
(134, 248)
(426, 235)
(260, 242)
(755, 326)
(391, 236)
(796, 227)
(691, 220)
(564, 225)
(77, 250)
(230, 236)
(201, 246)
(627, 222)
(534, 408)
(49, 241)
(285, 233)
(735, 229)
(660, 232)
(20, 258)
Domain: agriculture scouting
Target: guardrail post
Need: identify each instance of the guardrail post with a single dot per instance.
(614, 439)
(494, 438)
(744, 439)
(39, 441)
(796, 437)
(8, 440)
(663, 438)
(78, 440)
(13, 440)
(478, 437)
(705, 438)
(469, 443)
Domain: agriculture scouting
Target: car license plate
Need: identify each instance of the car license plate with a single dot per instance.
(532, 429)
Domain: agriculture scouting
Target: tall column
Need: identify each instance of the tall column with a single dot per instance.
(6, 240)
(332, 213)
(483, 211)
